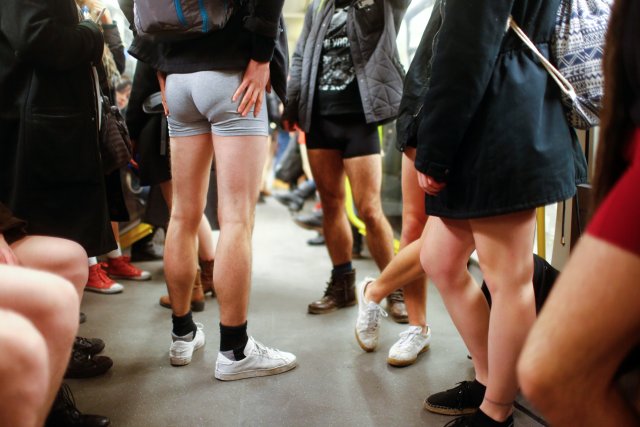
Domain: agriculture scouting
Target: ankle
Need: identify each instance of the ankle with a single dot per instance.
(370, 294)
(496, 410)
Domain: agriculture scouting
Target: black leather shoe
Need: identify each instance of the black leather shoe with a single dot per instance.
(311, 221)
(83, 317)
(88, 346)
(294, 200)
(65, 414)
(82, 365)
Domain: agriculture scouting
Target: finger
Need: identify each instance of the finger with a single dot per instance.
(7, 257)
(269, 86)
(241, 89)
(246, 98)
(258, 105)
(250, 102)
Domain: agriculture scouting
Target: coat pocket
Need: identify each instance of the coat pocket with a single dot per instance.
(60, 147)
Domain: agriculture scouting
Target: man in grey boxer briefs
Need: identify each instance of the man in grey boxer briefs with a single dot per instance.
(213, 90)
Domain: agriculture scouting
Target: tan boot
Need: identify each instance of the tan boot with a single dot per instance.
(206, 275)
(197, 296)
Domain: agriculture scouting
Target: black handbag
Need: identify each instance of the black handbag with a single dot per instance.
(115, 143)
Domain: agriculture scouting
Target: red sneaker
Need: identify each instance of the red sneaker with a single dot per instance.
(100, 282)
(121, 268)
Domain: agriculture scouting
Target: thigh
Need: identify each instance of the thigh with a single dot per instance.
(328, 173)
(191, 158)
(239, 164)
(505, 244)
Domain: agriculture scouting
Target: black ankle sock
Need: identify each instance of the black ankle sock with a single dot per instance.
(341, 269)
(233, 340)
(481, 419)
(183, 325)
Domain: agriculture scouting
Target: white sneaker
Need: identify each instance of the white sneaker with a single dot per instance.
(412, 343)
(181, 351)
(368, 321)
(260, 361)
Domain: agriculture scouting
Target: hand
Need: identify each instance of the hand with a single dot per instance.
(162, 79)
(289, 126)
(254, 81)
(430, 185)
(6, 254)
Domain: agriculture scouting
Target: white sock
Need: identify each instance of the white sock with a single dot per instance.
(93, 261)
(116, 253)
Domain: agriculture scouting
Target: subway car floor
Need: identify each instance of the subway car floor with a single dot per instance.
(335, 383)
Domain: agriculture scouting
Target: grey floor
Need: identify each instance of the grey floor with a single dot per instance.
(335, 384)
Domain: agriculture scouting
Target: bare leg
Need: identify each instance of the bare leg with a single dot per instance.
(191, 158)
(206, 247)
(365, 176)
(504, 246)
(589, 324)
(461, 294)
(60, 256)
(239, 166)
(51, 304)
(404, 270)
(414, 219)
(328, 172)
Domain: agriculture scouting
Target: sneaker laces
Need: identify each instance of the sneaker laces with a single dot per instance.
(374, 312)
(264, 351)
(408, 335)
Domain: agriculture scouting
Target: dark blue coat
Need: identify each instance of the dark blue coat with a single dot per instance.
(491, 124)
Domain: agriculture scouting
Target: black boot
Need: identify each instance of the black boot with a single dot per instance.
(294, 200)
(65, 414)
(340, 292)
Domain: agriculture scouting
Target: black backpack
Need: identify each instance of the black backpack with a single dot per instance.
(181, 19)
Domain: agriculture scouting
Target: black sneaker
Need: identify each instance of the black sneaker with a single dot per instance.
(89, 346)
(65, 414)
(479, 419)
(465, 398)
(82, 365)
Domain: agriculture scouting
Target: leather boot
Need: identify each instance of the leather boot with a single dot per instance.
(396, 308)
(340, 292)
(197, 296)
(206, 276)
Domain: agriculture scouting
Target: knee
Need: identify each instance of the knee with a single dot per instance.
(74, 266)
(444, 271)
(370, 213)
(518, 279)
(24, 365)
(541, 382)
(332, 205)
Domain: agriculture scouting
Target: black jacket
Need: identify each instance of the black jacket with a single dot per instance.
(50, 171)
(490, 122)
(255, 31)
